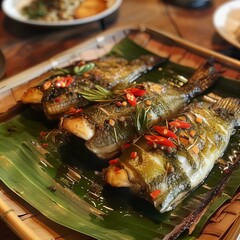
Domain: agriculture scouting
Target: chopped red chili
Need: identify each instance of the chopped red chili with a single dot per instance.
(114, 161)
(137, 92)
(179, 124)
(162, 130)
(154, 194)
(133, 155)
(118, 104)
(131, 99)
(125, 146)
(160, 140)
(63, 82)
(44, 145)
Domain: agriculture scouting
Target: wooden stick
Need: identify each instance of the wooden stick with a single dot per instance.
(15, 223)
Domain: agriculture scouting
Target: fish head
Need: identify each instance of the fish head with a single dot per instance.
(33, 95)
(78, 126)
(137, 170)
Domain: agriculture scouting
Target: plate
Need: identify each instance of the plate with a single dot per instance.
(12, 9)
(226, 20)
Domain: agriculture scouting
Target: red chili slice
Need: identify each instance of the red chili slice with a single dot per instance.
(179, 124)
(160, 140)
(164, 131)
(44, 145)
(114, 161)
(64, 82)
(154, 194)
(133, 155)
(131, 99)
(137, 92)
(125, 146)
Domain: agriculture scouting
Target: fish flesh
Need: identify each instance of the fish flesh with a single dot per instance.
(173, 159)
(62, 91)
(106, 127)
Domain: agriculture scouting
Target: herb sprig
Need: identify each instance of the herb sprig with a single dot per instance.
(80, 70)
(141, 119)
(98, 94)
(77, 70)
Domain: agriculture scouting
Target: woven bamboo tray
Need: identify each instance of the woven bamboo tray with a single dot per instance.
(161, 43)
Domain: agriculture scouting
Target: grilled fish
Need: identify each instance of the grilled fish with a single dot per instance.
(108, 126)
(165, 165)
(62, 91)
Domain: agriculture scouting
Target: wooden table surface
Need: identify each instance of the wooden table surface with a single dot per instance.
(24, 46)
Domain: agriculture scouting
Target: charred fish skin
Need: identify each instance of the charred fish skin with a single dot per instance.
(58, 101)
(111, 71)
(161, 99)
(61, 92)
(123, 130)
(164, 175)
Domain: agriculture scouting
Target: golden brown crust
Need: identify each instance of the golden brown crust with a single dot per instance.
(90, 7)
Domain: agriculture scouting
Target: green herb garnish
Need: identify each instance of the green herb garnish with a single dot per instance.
(79, 70)
(141, 119)
(36, 10)
(97, 95)
(61, 71)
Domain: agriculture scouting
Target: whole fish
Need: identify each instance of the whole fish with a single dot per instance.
(165, 165)
(62, 91)
(108, 126)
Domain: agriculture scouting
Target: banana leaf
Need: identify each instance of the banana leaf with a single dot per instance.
(59, 177)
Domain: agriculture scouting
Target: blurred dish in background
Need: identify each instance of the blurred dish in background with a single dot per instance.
(226, 20)
(42, 12)
(191, 3)
(2, 64)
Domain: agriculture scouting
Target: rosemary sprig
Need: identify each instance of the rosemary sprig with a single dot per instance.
(97, 95)
(79, 70)
(141, 119)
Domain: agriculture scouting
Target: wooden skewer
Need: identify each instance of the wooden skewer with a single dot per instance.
(15, 223)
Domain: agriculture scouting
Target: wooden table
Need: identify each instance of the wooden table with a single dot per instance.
(25, 45)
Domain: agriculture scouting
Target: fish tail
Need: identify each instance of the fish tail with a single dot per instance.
(203, 78)
(229, 108)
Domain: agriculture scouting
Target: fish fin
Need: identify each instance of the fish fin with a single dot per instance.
(229, 108)
(204, 77)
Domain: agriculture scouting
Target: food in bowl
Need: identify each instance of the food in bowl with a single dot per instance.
(59, 10)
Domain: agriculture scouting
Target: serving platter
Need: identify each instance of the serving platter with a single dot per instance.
(12, 8)
(62, 195)
(226, 20)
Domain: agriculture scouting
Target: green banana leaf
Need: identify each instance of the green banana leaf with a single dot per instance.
(61, 179)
